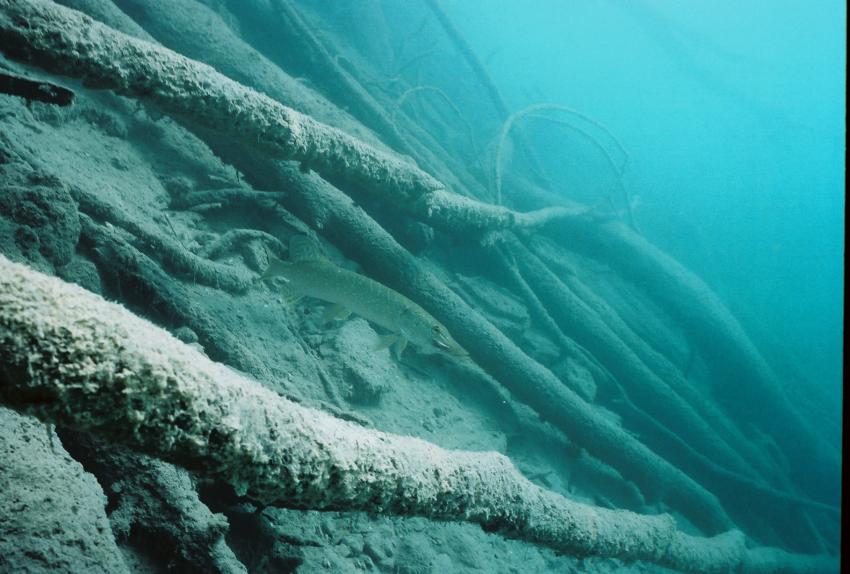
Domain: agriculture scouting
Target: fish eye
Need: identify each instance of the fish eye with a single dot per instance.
(435, 328)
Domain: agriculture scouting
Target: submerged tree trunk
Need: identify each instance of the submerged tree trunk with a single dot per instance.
(70, 43)
(67, 356)
(190, 89)
(745, 384)
(281, 453)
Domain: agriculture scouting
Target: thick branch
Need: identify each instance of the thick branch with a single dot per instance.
(68, 356)
(602, 334)
(125, 265)
(67, 42)
(173, 254)
(747, 386)
(363, 240)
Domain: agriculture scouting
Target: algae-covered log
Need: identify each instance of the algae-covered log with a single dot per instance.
(746, 385)
(365, 241)
(70, 43)
(69, 357)
(122, 264)
(174, 255)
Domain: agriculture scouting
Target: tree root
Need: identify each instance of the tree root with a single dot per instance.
(729, 353)
(67, 42)
(532, 111)
(172, 253)
(473, 148)
(233, 238)
(67, 356)
(224, 197)
(132, 270)
(364, 241)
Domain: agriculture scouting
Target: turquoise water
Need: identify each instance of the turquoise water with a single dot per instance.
(733, 117)
(663, 337)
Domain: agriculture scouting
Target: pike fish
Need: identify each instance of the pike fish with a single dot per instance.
(309, 273)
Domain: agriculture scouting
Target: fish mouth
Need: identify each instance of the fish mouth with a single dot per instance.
(451, 348)
(440, 345)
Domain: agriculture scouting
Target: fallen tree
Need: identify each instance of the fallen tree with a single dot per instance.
(70, 43)
(746, 385)
(63, 41)
(69, 357)
(365, 241)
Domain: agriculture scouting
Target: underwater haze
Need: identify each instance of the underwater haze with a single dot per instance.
(733, 115)
(421, 286)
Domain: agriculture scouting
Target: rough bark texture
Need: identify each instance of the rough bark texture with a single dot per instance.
(71, 43)
(746, 385)
(67, 42)
(68, 356)
(628, 398)
(600, 334)
(366, 242)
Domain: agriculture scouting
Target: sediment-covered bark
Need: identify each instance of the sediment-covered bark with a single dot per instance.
(70, 43)
(600, 335)
(173, 254)
(66, 42)
(197, 31)
(122, 264)
(70, 357)
(746, 386)
(364, 240)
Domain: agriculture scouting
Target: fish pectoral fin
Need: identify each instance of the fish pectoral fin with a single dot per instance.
(385, 341)
(399, 346)
(290, 296)
(293, 299)
(276, 268)
(336, 312)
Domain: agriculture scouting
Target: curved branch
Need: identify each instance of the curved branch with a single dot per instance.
(532, 111)
(70, 357)
(173, 254)
(134, 270)
(443, 96)
(67, 42)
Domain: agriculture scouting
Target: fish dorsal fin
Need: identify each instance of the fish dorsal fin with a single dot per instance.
(304, 248)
